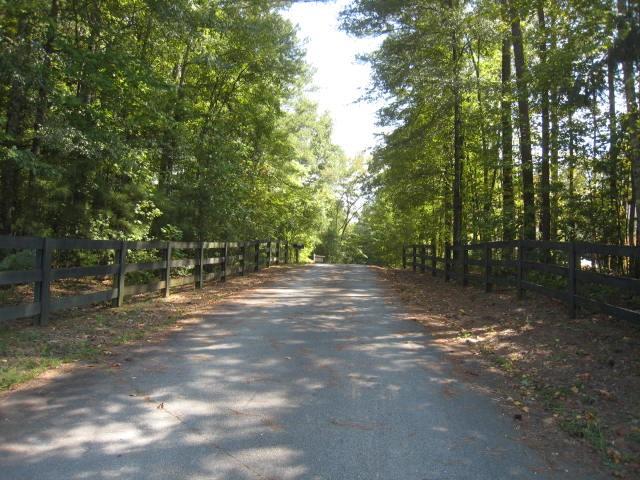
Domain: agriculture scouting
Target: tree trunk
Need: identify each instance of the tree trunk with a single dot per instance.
(508, 202)
(632, 111)
(554, 146)
(632, 127)
(571, 227)
(524, 124)
(457, 167)
(458, 141)
(545, 188)
(615, 234)
(485, 227)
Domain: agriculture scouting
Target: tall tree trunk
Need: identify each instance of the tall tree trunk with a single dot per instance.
(597, 231)
(624, 24)
(554, 146)
(615, 234)
(524, 124)
(632, 216)
(554, 157)
(457, 167)
(508, 202)
(458, 141)
(632, 127)
(545, 188)
(571, 160)
(485, 227)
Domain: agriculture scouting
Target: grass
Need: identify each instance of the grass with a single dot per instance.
(586, 427)
(27, 351)
(25, 369)
(503, 362)
(465, 334)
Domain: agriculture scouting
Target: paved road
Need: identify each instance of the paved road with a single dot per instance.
(317, 378)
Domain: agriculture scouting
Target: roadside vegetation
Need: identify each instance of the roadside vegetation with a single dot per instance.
(171, 120)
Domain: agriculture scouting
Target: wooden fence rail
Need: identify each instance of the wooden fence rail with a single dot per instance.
(208, 261)
(572, 268)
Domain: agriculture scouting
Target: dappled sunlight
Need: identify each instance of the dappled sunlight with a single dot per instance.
(266, 386)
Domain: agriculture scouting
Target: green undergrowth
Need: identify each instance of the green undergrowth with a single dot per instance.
(26, 351)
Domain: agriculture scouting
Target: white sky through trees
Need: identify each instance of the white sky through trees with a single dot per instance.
(339, 79)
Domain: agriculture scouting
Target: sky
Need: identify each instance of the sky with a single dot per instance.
(339, 79)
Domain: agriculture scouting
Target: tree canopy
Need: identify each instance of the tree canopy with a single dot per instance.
(505, 119)
(184, 119)
(159, 119)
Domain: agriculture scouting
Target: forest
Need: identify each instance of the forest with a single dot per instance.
(162, 119)
(505, 119)
(187, 120)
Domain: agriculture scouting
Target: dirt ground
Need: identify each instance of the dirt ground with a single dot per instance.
(572, 385)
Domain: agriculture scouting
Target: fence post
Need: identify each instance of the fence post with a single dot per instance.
(571, 280)
(404, 256)
(121, 255)
(244, 258)
(447, 265)
(488, 286)
(434, 266)
(37, 286)
(225, 252)
(167, 271)
(257, 254)
(413, 258)
(465, 264)
(200, 282)
(423, 258)
(45, 284)
(269, 253)
(520, 270)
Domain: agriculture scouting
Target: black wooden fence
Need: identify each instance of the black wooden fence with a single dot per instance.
(206, 260)
(581, 274)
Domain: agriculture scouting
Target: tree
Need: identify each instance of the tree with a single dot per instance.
(130, 119)
(574, 63)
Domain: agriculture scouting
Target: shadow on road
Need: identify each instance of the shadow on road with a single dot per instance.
(316, 378)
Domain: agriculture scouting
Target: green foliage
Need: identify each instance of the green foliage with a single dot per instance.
(436, 56)
(22, 260)
(171, 120)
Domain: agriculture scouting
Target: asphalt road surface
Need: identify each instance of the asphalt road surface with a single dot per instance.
(316, 376)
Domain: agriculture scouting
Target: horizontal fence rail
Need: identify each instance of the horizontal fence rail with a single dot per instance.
(170, 263)
(589, 275)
